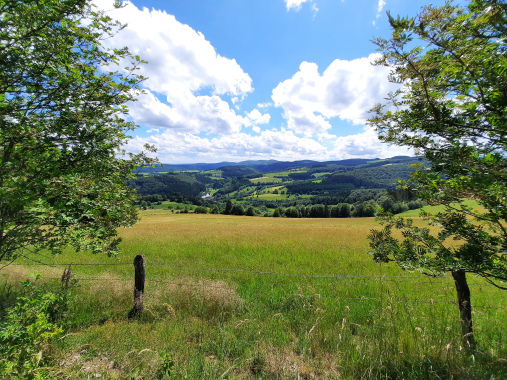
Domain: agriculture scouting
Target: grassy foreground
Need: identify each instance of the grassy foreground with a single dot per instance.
(269, 298)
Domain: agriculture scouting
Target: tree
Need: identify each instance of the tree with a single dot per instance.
(62, 127)
(292, 212)
(451, 107)
(365, 209)
(228, 207)
(345, 211)
(237, 209)
(250, 211)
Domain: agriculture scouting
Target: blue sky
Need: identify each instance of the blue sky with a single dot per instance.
(234, 80)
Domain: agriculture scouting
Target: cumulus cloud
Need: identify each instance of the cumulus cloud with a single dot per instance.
(256, 117)
(365, 145)
(176, 147)
(176, 53)
(187, 113)
(346, 89)
(192, 91)
(182, 66)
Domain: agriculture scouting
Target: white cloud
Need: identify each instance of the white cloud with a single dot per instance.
(265, 105)
(297, 4)
(294, 4)
(256, 117)
(176, 53)
(315, 9)
(193, 90)
(380, 6)
(346, 89)
(176, 147)
(187, 113)
(365, 145)
(184, 69)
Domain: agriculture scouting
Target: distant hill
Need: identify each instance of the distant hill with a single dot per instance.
(268, 166)
(380, 174)
(188, 184)
(254, 179)
(237, 171)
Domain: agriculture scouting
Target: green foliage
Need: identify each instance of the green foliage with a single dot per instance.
(292, 212)
(201, 210)
(250, 211)
(228, 208)
(237, 209)
(188, 184)
(239, 171)
(166, 365)
(29, 326)
(451, 62)
(384, 177)
(62, 125)
(341, 210)
(365, 209)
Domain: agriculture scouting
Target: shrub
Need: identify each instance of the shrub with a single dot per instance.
(27, 328)
(250, 211)
(292, 212)
(237, 209)
(201, 210)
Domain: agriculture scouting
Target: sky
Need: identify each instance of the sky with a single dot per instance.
(236, 80)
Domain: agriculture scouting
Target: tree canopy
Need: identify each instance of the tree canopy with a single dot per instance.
(62, 126)
(451, 65)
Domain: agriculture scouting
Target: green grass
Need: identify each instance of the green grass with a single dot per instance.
(174, 205)
(265, 180)
(317, 175)
(215, 174)
(272, 298)
(434, 209)
(284, 173)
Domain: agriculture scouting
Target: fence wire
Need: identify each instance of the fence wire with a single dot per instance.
(379, 278)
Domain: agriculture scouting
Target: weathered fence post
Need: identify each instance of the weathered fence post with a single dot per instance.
(137, 310)
(465, 307)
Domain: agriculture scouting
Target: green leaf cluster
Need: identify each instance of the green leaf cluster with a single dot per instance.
(63, 122)
(28, 327)
(451, 107)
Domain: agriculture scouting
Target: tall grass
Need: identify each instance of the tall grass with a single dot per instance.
(272, 298)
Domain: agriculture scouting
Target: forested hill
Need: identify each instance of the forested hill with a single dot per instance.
(305, 186)
(298, 178)
(268, 166)
(190, 184)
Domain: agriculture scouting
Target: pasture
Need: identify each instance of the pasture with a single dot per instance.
(265, 180)
(273, 298)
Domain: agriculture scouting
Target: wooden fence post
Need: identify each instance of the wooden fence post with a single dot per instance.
(139, 264)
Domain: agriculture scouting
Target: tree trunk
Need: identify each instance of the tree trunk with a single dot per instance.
(465, 307)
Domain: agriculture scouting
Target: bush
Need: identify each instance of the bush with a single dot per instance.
(237, 209)
(250, 211)
(27, 328)
(292, 212)
(365, 209)
(201, 210)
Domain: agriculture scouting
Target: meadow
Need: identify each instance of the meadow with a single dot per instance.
(270, 298)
